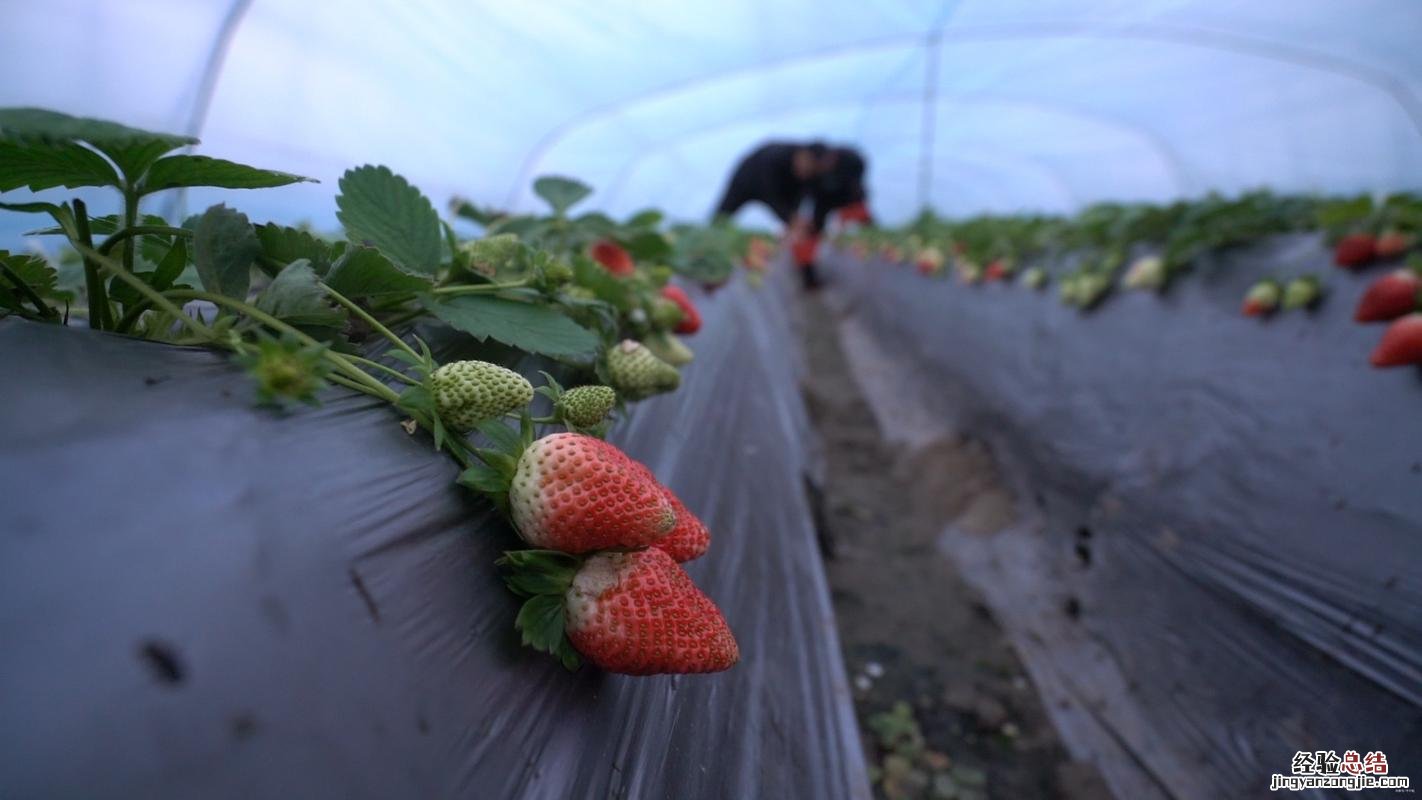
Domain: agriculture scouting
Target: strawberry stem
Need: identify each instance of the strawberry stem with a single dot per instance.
(369, 320)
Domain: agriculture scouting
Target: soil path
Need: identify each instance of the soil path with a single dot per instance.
(944, 705)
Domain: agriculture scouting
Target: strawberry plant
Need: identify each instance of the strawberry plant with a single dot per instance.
(296, 311)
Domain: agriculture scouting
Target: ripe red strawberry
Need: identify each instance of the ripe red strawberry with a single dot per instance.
(690, 317)
(1393, 244)
(1390, 296)
(612, 257)
(1355, 250)
(636, 613)
(577, 494)
(689, 539)
(1401, 343)
(640, 614)
(1262, 298)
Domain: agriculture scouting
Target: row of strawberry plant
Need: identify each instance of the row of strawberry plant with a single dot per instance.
(301, 311)
(1150, 247)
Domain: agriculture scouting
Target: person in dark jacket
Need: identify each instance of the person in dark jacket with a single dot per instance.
(786, 176)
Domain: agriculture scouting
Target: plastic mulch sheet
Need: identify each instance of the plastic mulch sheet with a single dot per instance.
(1222, 518)
(203, 599)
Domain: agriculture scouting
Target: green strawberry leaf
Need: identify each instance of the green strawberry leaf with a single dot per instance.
(650, 218)
(483, 216)
(26, 279)
(483, 478)
(295, 298)
(542, 623)
(503, 437)
(171, 265)
(595, 225)
(560, 193)
(533, 572)
(44, 165)
(381, 209)
(529, 229)
(132, 149)
(529, 327)
(224, 248)
(62, 214)
(366, 272)
(284, 245)
(182, 170)
(648, 246)
(417, 400)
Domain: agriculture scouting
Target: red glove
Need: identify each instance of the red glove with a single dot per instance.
(804, 249)
(855, 212)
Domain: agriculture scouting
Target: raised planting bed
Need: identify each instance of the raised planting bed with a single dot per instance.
(204, 599)
(1219, 517)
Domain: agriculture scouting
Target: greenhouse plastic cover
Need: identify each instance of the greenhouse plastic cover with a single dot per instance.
(963, 104)
(1217, 564)
(199, 598)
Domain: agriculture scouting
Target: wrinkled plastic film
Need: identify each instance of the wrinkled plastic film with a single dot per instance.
(1220, 517)
(201, 598)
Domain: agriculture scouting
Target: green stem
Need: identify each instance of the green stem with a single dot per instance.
(130, 220)
(140, 230)
(374, 386)
(152, 295)
(99, 316)
(371, 321)
(342, 380)
(478, 288)
(394, 373)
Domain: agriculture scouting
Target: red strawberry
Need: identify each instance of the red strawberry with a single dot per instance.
(640, 614)
(995, 271)
(1390, 296)
(636, 613)
(1393, 244)
(1262, 298)
(1401, 343)
(1355, 250)
(803, 249)
(689, 539)
(578, 493)
(690, 318)
(612, 257)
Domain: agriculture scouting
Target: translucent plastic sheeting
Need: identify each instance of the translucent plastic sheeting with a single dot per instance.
(203, 599)
(968, 105)
(1214, 565)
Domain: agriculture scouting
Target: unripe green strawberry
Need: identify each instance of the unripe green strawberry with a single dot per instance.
(556, 273)
(577, 494)
(1034, 278)
(492, 255)
(636, 373)
(1303, 292)
(665, 314)
(669, 348)
(586, 406)
(469, 392)
(640, 614)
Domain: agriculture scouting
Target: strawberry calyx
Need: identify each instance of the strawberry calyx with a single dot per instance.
(493, 473)
(543, 577)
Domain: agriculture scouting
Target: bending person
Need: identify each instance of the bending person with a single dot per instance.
(786, 177)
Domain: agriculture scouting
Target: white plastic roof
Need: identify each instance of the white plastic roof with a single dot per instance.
(969, 105)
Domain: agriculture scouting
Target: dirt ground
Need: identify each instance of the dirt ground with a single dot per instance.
(945, 708)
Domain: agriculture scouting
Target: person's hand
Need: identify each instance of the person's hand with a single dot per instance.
(856, 212)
